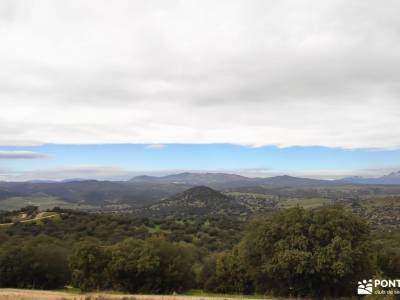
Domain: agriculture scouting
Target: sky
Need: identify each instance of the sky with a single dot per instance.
(107, 90)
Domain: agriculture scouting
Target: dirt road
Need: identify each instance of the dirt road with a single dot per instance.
(31, 220)
(19, 294)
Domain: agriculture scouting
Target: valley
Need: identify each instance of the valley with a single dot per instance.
(128, 236)
(205, 194)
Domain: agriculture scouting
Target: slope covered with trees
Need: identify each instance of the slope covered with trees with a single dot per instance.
(199, 200)
(300, 252)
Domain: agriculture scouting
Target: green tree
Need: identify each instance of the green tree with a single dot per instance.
(154, 265)
(15, 270)
(132, 266)
(388, 260)
(176, 261)
(320, 252)
(225, 272)
(89, 266)
(40, 262)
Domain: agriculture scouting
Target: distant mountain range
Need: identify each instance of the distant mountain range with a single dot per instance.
(93, 192)
(223, 180)
(142, 191)
(194, 179)
(392, 178)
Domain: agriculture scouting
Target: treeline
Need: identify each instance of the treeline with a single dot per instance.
(136, 266)
(133, 265)
(207, 233)
(319, 253)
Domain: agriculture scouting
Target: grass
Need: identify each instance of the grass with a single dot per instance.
(201, 293)
(193, 292)
(303, 202)
(253, 195)
(157, 229)
(71, 290)
(383, 201)
(43, 203)
(74, 294)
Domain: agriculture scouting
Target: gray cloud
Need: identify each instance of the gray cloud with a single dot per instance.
(80, 171)
(253, 73)
(22, 155)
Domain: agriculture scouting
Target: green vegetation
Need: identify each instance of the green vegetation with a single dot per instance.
(133, 265)
(206, 233)
(297, 253)
(306, 203)
(317, 252)
(44, 203)
(40, 262)
(250, 237)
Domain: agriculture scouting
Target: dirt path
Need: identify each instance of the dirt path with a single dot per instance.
(19, 294)
(31, 220)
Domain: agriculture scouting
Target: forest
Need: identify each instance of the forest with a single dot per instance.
(317, 252)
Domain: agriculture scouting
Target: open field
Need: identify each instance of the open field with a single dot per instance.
(20, 294)
(43, 203)
(303, 202)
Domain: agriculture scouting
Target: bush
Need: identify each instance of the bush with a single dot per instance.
(297, 252)
(37, 263)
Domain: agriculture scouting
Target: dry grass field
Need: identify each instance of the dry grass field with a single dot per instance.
(19, 294)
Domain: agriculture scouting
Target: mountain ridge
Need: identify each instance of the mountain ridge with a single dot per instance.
(392, 178)
(226, 180)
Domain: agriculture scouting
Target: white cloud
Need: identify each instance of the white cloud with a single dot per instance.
(22, 155)
(244, 72)
(71, 172)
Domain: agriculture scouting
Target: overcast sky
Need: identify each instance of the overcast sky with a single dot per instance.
(251, 73)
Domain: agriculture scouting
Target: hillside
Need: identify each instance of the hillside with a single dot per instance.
(390, 179)
(224, 181)
(214, 180)
(25, 215)
(140, 191)
(143, 191)
(200, 200)
(93, 192)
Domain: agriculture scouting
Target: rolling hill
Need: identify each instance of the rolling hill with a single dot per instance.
(199, 200)
(93, 192)
(142, 191)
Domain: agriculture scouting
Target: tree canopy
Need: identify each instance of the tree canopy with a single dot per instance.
(298, 252)
(319, 252)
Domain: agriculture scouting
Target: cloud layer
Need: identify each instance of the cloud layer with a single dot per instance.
(244, 72)
(22, 155)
